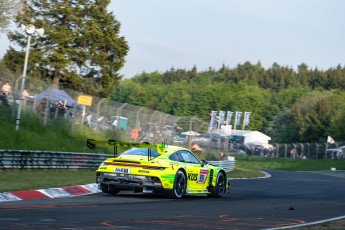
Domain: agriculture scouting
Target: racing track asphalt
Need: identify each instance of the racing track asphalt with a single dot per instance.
(285, 199)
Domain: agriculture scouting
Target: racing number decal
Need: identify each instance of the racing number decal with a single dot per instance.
(202, 176)
(192, 176)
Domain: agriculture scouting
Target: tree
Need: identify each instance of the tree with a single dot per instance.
(283, 128)
(312, 114)
(8, 10)
(81, 49)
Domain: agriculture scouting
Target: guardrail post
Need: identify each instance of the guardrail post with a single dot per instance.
(97, 112)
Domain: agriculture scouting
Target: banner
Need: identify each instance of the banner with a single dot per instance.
(229, 117)
(213, 122)
(221, 118)
(238, 118)
(246, 118)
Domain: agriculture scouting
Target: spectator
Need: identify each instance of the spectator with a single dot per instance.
(293, 153)
(61, 109)
(135, 134)
(6, 88)
(26, 95)
(222, 155)
(196, 148)
(6, 91)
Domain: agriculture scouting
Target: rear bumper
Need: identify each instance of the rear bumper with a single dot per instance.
(129, 182)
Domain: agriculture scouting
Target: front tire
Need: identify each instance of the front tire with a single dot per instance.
(180, 185)
(220, 188)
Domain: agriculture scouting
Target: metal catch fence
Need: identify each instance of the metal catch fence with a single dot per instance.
(126, 121)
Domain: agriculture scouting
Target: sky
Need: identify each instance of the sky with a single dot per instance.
(180, 34)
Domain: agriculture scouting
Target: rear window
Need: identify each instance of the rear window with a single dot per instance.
(141, 152)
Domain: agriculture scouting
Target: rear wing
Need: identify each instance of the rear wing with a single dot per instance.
(91, 144)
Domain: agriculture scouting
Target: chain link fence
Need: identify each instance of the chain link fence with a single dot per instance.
(315, 151)
(127, 122)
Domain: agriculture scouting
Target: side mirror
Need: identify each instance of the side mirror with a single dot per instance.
(204, 162)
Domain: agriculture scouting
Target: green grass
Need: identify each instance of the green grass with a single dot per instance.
(18, 180)
(245, 173)
(55, 136)
(288, 164)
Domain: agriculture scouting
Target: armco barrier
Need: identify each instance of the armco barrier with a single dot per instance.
(25, 159)
(227, 165)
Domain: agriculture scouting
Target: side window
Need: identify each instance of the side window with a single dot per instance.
(175, 157)
(188, 157)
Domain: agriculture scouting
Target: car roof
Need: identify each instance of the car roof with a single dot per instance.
(173, 148)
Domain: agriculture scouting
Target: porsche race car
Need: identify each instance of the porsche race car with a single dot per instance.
(158, 169)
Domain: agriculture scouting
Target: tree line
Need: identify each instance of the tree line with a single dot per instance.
(303, 105)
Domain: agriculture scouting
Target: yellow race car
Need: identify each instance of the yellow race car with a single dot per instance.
(158, 169)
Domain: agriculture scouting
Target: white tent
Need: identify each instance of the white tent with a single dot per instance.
(191, 133)
(252, 137)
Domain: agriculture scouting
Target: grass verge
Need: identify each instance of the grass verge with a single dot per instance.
(245, 173)
(17, 180)
(255, 162)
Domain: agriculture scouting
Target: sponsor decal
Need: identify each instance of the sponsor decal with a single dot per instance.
(110, 174)
(192, 176)
(143, 171)
(203, 175)
(122, 170)
(204, 171)
(137, 177)
(147, 190)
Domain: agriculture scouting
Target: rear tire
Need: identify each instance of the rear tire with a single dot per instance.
(108, 189)
(220, 188)
(180, 185)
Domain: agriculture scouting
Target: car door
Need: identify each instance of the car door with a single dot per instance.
(196, 173)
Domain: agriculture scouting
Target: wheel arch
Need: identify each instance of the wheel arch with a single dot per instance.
(213, 175)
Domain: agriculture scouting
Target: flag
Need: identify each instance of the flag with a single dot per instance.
(213, 121)
(229, 117)
(330, 140)
(246, 118)
(221, 117)
(238, 118)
